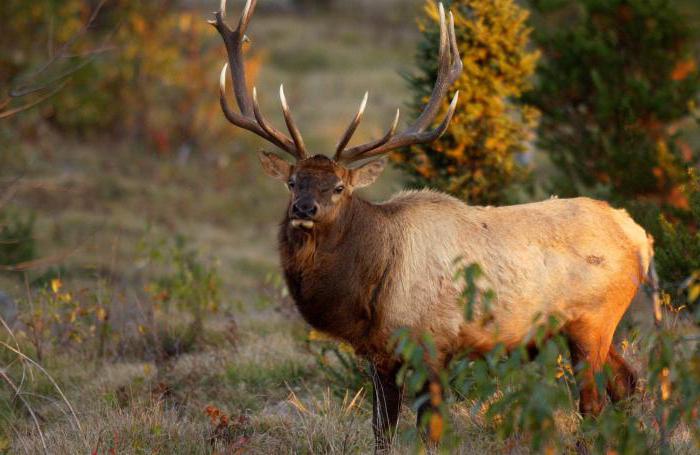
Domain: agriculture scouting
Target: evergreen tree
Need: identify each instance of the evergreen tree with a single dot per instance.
(613, 85)
(477, 159)
(678, 257)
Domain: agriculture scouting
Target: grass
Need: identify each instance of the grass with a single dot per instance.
(252, 362)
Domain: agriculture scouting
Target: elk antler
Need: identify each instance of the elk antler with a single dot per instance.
(449, 70)
(250, 117)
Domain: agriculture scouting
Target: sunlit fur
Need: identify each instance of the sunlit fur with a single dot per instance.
(368, 269)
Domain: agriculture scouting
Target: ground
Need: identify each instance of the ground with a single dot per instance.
(101, 205)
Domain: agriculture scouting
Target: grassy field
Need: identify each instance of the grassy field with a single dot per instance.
(98, 203)
(249, 380)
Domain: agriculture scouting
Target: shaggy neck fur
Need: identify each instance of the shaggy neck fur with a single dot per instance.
(337, 274)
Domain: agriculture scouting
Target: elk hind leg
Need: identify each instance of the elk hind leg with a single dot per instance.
(623, 382)
(589, 350)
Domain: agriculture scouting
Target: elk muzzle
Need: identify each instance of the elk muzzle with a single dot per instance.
(303, 211)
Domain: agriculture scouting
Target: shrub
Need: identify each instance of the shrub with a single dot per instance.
(338, 363)
(60, 317)
(17, 242)
(148, 65)
(521, 395)
(612, 86)
(477, 159)
(190, 285)
(678, 250)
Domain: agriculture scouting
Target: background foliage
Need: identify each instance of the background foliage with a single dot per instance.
(615, 87)
(142, 67)
(480, 156)
(162, 345)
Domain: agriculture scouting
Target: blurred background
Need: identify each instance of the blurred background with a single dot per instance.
(138, 234)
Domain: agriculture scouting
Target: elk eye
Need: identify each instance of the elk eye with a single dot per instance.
(290, 184)
(339, 189)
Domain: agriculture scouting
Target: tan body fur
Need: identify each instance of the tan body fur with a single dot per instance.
(576, 259)
(359, 271)
(530, 255)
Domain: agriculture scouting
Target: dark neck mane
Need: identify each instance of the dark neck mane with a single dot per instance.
(336, 276)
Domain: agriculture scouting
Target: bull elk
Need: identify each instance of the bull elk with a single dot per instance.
(359, 270)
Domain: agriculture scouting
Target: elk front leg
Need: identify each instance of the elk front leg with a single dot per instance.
(386, 404)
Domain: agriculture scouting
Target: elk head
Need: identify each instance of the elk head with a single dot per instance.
(320, 186)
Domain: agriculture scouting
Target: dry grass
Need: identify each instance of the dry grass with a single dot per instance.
(265, 381)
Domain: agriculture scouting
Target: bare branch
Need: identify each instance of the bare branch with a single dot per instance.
(41, 99)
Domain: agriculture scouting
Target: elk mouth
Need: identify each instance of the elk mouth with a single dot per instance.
(299, 223)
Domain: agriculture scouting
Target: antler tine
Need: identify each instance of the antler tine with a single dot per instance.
(291, 126)
(280, 139)
(351, 129)
(418, 137)
(449, 70)
(457, 65)
(234, 117)
(250, 117)
(233, 39)
(349, 154)
(430, 110)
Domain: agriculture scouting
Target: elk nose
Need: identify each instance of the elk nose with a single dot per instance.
(304, 209)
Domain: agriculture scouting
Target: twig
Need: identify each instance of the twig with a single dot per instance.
(41, 262)
(22, 91)
(19, 109)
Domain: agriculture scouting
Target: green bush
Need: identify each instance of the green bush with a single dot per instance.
(477, 158)
(521, 395)
(190, 285)
(678, 247)
(338, 363)
(612, 85)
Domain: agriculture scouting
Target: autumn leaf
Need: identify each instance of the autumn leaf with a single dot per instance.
(665, 384)
(56, 285)
(683, 69)
(435, 427)
(435, 394)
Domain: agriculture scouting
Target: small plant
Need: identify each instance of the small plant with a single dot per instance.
(189, 285)
(17, 242)
(338, 363)
(57, 317)
(422, 382)
(226, 431)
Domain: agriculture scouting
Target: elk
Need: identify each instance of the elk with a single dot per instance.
(359, 270)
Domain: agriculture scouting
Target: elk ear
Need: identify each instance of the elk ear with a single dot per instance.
(367, 173)
(274, 166)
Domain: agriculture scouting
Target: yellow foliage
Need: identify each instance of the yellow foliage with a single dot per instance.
(56, 285)
(475, 158)
(665, 384)
(147, 82)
